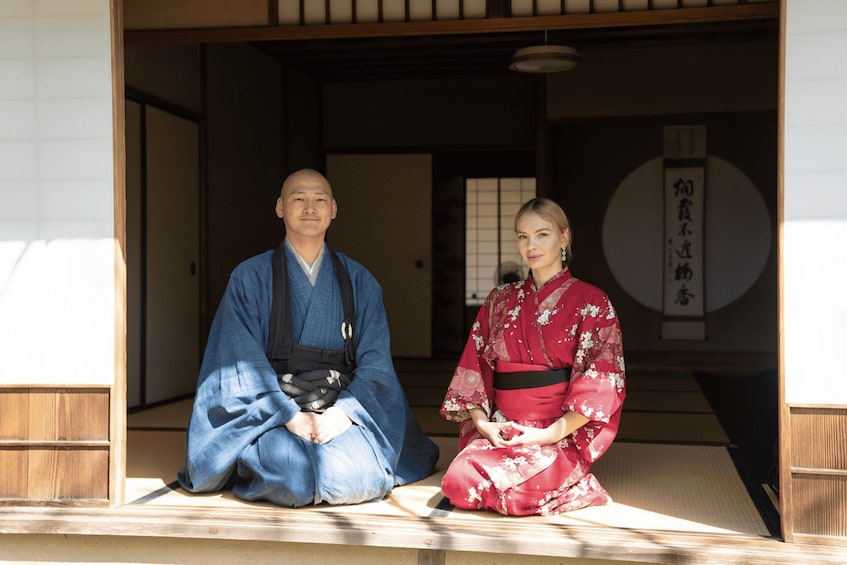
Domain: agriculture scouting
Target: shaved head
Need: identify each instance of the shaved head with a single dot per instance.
(305, 177)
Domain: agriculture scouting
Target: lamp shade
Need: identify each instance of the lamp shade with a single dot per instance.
(545, 59)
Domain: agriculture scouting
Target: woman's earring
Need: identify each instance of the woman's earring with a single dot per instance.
(564, 255)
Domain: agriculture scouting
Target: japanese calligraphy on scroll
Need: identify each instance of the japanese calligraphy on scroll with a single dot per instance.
(683, 255)
(684, 260)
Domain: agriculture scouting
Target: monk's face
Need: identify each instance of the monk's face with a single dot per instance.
(306, 206)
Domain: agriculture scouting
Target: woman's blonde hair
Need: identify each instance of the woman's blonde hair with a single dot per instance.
(550, 211)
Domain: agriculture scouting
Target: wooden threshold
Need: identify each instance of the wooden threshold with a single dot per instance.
(507, 536)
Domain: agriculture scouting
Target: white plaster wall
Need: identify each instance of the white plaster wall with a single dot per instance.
(815, 214)
(56, 202)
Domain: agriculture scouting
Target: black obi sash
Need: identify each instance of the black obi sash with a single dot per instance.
(531, 379)
(288, 358)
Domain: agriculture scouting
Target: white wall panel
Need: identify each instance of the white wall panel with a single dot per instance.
(18, 119)
(812, 101)
(18, 160)
(73, 118)
(817, 55)
(57, 302)
(12, 8)
(90, 37)
(17, 79)
(16, 37)
(18, 200)
(74, 199)
(75, 159)
(74, 77)
(823, 194)
(814, 304)
(65, 8)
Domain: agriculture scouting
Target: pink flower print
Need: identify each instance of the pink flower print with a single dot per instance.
(469, 382)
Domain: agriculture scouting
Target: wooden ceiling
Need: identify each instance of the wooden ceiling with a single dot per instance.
(476, 47)
(489, 54)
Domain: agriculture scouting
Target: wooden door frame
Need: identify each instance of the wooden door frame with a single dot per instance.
(117, 409)
(118, 391)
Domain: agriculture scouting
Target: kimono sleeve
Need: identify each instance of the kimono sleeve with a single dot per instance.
(597, 388)
(472, 383)
(238, 397)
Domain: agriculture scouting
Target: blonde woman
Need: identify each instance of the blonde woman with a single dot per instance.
(539, 388)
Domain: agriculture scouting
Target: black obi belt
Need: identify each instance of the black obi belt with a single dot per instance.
(531, 379)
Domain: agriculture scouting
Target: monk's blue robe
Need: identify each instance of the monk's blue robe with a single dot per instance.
(236, 436)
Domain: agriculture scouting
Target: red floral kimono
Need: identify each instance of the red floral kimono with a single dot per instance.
(567, 323)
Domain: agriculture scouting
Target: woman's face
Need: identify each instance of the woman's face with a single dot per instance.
(540, 245)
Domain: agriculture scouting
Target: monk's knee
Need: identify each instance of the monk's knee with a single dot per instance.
(288, 487)
(276, 471)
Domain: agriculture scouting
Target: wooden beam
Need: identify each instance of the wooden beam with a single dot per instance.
(740, 12)
(483, 533)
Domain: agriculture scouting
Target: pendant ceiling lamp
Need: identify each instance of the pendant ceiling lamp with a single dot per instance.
(545, 58)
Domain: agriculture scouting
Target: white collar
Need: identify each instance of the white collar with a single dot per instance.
(312, 270)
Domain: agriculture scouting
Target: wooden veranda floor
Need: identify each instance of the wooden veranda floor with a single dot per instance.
(678, 498)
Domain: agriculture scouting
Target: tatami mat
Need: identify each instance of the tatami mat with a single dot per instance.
(684, 488)
(172, 415)
(671, 427)
(669, 469)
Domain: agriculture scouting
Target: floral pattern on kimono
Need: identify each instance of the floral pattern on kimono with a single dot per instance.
(565, 323)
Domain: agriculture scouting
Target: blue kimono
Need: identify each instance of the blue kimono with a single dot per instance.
(237, 437)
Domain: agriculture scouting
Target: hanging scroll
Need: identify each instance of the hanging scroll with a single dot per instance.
(684, 221)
